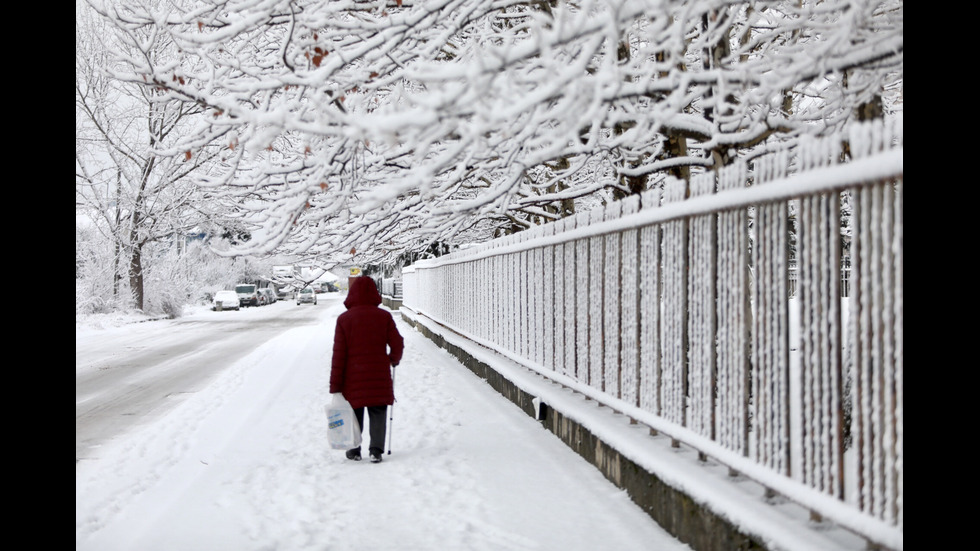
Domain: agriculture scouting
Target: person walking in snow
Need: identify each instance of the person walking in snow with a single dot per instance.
(366, 347)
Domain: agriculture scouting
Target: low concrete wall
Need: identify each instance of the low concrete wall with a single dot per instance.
(676, 512)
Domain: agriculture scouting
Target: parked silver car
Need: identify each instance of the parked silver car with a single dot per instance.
(226, 300)
(267, 296)
(307, 294)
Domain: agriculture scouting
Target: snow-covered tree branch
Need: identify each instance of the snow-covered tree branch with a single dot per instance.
(382, 126)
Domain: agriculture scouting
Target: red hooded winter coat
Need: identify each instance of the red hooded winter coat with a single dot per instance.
(366, 344)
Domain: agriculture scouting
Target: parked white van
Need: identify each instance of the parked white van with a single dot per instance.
(248, 294)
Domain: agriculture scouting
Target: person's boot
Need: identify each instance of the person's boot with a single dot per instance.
(375, 455)
(354, 454)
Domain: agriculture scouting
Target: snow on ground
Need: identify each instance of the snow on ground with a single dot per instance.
(245, 465)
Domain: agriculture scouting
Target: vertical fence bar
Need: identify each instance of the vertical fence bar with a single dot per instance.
(733, 319)
(629, 293)
(611, 315)
(674, 325)
(651, 289)
(503, 299)
(571, 304)
(506, 299)
(549, 310)
(597, 288)
(819, 263)
(702, 279)
(561, 316)
(583, 313)
(525, 331)
(514, 308)
(540, 272)
(770, 409)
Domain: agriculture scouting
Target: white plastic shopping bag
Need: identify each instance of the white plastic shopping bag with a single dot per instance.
(343, 431)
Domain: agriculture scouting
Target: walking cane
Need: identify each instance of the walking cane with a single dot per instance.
(391, 410)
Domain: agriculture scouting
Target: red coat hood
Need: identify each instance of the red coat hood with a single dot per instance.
(362, 292)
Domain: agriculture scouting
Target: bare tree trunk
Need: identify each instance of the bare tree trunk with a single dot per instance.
(135, 240)
(136, 275)
(117, 252)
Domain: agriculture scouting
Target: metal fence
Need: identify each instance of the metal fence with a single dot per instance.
(679, 310)
(391, 287)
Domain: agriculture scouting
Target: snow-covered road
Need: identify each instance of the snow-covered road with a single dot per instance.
(127, 376)
(243, 464)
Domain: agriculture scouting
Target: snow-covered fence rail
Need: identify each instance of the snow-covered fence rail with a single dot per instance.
(676, 309)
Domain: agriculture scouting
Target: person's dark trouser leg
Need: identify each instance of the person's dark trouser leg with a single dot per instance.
(376, 417)
(359, 415)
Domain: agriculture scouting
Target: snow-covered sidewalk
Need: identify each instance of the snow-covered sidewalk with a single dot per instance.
(245, 465)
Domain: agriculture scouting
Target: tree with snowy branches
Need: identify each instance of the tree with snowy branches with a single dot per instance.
(378, 127)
